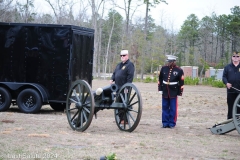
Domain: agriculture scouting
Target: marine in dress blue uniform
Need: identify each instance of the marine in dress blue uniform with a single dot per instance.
(170, 86)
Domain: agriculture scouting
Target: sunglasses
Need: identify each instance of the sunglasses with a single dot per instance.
(235, 56)
(122, 55)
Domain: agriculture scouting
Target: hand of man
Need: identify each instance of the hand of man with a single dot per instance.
(160, 92)
(111, 81)
(229, 85)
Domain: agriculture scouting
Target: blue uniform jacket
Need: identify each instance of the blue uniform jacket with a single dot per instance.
(171, 75)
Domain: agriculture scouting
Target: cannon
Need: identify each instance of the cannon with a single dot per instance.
(231, 124)
(82, 103)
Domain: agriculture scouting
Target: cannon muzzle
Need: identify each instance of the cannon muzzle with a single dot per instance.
(105, 94)
(107, 90)
(114, 88)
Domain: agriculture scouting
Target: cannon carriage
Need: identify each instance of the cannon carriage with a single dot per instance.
(82, 104)
(231, 124)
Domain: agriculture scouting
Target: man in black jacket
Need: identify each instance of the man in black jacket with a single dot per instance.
(170, 85)
(231, 78)
(123, 73)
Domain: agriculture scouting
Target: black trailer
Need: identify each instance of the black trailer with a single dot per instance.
(39, 62)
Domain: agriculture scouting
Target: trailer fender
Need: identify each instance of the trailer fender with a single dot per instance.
(20, 86)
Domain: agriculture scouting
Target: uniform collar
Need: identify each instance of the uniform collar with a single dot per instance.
(125, 62)
(174, 65)
(236, 65)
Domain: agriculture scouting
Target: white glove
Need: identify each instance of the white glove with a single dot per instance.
(160, 92)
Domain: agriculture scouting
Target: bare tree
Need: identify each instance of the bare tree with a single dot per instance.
(82, 16)
(148, 5)
(5, 7)
(109, 42)
(62, 9)
(26, 11)
(95, 7)
(129, 7)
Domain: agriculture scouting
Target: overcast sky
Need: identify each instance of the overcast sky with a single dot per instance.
(177, 11)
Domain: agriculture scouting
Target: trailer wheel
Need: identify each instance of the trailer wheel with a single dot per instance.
(5, 99)
(80, 106)
(236, 113)
(58, 106)
(29, 101)
(131, 114)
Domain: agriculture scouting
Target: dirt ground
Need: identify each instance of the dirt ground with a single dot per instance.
(47, 135)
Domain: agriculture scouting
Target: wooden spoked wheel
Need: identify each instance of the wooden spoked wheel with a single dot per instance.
(80, 106)
(236, 113)
(128, 118)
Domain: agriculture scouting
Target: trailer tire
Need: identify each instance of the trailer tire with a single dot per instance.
(29, 101)
(5, 99)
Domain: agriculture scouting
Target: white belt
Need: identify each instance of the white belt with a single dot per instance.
(170, 83)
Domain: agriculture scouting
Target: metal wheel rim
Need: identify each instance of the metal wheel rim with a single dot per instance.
(29, 101)
(236, 115)
(133, 112)
(5, 99)
(2, 99)
(80, 106)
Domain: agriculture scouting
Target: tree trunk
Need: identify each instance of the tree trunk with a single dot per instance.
(145, 39)
(108, 46)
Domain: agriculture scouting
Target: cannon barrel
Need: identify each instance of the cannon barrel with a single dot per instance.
(105, 94)
(107, 90)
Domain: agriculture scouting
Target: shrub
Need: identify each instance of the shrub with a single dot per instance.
(150, 79)
(136, 80)
(111, 156)
(208, 81)
(211, 81)
(191, 81)
(155, 79)
(218, 84)
(147, 80)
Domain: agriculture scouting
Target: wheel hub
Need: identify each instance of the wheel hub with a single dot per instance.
(1, 99)
(29, 101)
(125, 106)
(79, 105)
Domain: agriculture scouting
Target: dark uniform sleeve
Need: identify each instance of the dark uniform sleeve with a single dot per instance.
(181, 83)
(130, 73)
(225, 75)
(160, 81)
(113, 75)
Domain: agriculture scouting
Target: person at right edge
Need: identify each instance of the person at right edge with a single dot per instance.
(170, 86)
(231, 78)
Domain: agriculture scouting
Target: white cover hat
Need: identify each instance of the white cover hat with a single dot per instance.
(124, 52)
(171, 58)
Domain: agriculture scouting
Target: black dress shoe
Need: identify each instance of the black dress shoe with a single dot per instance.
(164, 126)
